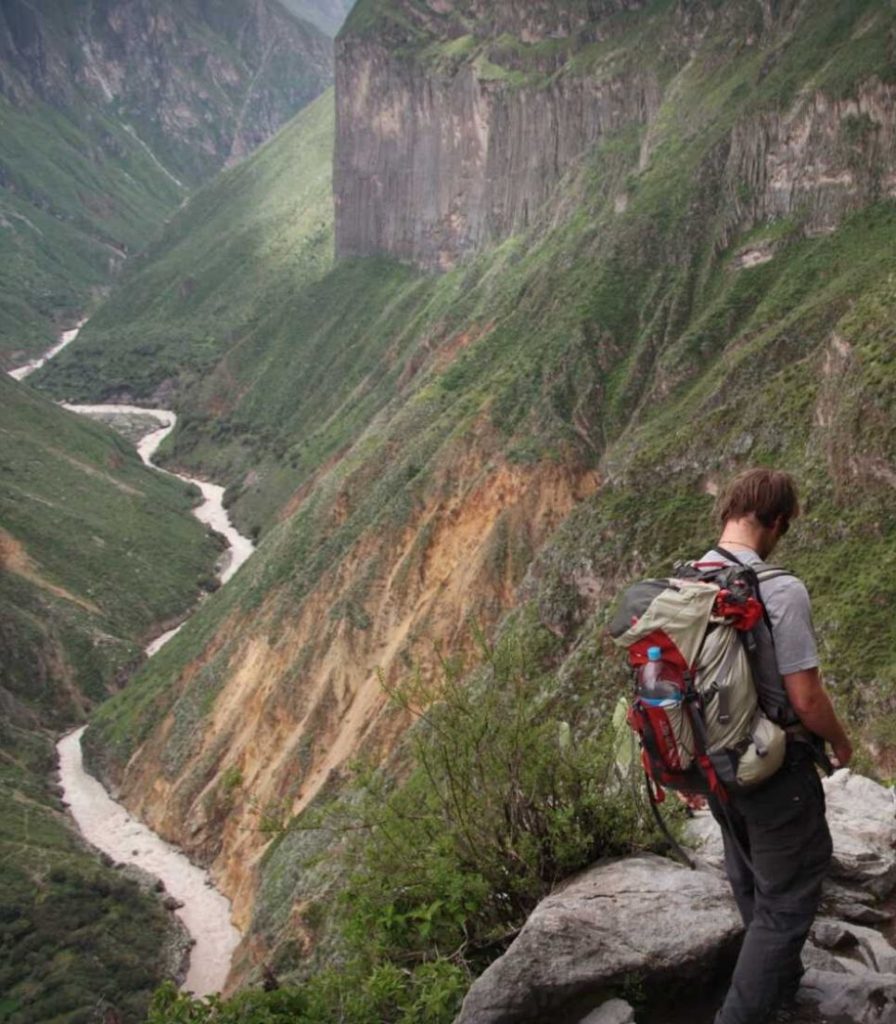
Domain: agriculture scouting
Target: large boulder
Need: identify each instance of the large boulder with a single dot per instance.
(643, 917)
(862, 818)
(863, 998)
(652, 921)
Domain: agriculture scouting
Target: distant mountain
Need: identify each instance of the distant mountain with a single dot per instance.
(110, 114)
(328, 15)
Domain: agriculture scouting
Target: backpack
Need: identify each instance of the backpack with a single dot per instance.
(709, 706)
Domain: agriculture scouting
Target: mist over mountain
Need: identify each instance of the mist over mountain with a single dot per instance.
(473, 341)
(328, 15)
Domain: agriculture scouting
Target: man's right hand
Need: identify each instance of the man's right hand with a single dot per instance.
(842, 754)
(813, 706)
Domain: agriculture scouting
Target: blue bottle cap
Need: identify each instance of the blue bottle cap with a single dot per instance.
(654, 653)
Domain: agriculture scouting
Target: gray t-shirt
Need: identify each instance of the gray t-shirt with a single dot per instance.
(787, 602)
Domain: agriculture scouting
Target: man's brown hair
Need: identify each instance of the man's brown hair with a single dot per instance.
(767, 493)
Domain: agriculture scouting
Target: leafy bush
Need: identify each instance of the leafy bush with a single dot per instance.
(502, 803)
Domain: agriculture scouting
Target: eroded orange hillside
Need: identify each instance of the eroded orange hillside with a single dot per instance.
(302, 697)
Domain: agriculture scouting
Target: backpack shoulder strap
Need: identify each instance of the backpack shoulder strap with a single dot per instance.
(763, 574)
(772, 572)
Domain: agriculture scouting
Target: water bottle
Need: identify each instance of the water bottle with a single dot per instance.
(659, 682)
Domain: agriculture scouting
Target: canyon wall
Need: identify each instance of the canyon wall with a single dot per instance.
(111, 113)
(457, 123)
(200, 83)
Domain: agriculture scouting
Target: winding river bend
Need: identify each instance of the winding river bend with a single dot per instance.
(108, 825)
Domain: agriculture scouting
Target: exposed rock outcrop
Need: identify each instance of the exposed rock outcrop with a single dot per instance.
(435, 160)
(599, 930)
(653, 919)
(823, 157)
(457, 125)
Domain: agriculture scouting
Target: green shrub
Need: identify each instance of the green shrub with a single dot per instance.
(501, 804)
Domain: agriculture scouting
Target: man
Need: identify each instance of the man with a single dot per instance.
(777, 843)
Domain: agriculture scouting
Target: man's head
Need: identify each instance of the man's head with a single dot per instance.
(760, 502)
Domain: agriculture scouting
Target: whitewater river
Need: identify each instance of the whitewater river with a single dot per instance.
(108, 825)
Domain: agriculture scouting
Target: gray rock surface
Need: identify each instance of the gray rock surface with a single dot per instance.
(641, 914)
(862, 817)
(853, 904)
(613, 1011)
(857, 941)
(650, 917)
(866, 998)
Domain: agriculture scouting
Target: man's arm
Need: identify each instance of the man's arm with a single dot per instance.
(811, 702)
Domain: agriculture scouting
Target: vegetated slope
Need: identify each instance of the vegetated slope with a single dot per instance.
(328, 15)
(96, 553)
(708, 284)
(191, 319)
(110, 113)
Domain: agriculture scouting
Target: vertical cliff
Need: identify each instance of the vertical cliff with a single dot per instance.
(458, 123)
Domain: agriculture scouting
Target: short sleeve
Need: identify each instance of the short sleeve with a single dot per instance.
(790, 611)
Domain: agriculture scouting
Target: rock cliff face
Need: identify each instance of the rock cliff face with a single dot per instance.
(436, 157)
(457, 124)
(823, 156)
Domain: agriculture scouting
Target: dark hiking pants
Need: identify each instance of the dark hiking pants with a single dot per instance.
(782, 831)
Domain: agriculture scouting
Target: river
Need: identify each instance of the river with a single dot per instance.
(108, 825)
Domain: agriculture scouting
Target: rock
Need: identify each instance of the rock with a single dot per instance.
(172, 903)
(642, 914)
(614, 1011)
(428, 168)
(821, 959)
(863, 998)
(833, 935)
(705, 839)
(868, 945)
(852, 905)
(862, 817)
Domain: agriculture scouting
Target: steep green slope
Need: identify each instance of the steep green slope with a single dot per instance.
(110, 114)
(96, 552)
(238, 249)
(659, 324)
